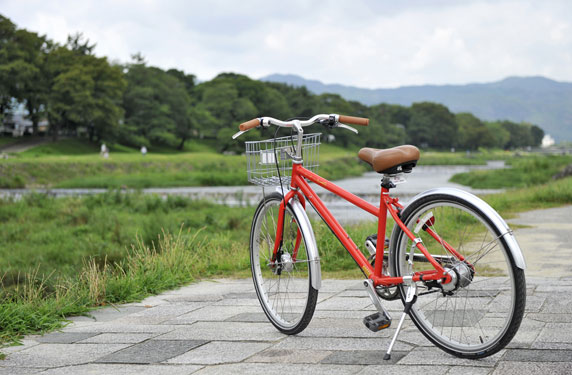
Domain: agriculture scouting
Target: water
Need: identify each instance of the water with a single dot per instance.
(366, 187)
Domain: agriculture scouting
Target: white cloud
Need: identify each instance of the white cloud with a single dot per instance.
(364, 43)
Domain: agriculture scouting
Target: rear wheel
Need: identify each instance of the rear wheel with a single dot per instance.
(480, 311)
(283, 286)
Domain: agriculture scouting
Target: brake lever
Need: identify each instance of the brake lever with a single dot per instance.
(236, 135)
(344, 126)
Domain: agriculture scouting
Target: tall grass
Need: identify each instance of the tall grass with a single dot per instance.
(523, 171)
(40, 303)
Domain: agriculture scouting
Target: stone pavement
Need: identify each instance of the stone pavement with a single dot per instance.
(217, 327)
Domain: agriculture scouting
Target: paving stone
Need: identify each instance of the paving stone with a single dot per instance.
(556, 332)
(238, 302)
(151, 301)
(228, 331)
(533, 368)
(251, 295)
(555, 305)
(131, 369)
(24, 344)
(159, 314)
(549, 318)
(411, 335)
(363, 357)
(64, 337)
(20, 370)
(524, 355)
(289, 356)
(57, 355)
(279, 369)
(118, 338)
(404, 370)
(554, 287)
(152, 351)
(552, 345)
(341, 328)
(336, 286)
(218, 352)
(248, 317)
(463, 370)
(344, 303)
(213, 313)
(526, 334)
(106, 327)
(533, 303)
(435, 356)
(193, 298)
(325, 343)
(112, 313)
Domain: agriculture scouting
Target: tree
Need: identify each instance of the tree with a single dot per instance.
(86, 91)
(156, 107)
(432, 125)
(472, 132)
(520, 135)
(499, 134)
(537, 134)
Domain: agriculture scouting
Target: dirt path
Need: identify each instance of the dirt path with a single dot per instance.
(547, 243)
(24, 145)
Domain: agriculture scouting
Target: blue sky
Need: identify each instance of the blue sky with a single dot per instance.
(362, 43)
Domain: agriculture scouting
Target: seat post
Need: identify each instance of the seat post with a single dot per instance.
(386, 184)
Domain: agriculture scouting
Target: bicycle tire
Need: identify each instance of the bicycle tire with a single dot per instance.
(290, 309)
(495, 293)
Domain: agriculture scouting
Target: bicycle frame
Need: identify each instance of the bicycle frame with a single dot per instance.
(301, 189)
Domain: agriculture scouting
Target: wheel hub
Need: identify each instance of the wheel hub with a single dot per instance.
(286, 262)
(461, 276)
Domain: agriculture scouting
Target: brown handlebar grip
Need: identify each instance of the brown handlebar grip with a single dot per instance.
(249, 124)
(354, 120)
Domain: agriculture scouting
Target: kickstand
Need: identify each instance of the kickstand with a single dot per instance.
(410, 298)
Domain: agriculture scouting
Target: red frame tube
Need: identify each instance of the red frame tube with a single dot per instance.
(301, 188)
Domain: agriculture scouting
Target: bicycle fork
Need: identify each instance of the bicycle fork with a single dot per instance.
(382, 319)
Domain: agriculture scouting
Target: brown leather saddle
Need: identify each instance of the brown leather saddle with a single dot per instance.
(391, 160)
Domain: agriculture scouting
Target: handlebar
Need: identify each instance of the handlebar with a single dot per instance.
(332, 120)
(354, 120)
(249, 124)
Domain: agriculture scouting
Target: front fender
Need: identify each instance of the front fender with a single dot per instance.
(497, 221)
(310, 241)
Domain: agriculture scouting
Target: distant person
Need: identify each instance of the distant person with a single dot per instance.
(104, 151)
(143, 150)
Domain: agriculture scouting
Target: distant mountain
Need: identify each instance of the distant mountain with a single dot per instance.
(538, 100)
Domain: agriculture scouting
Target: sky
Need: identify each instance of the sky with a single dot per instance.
(364, 43)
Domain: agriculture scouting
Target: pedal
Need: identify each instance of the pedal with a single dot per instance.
(377, 321)
(371, 245)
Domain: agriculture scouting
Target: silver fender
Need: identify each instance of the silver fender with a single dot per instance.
(311, 247)
(497, 221)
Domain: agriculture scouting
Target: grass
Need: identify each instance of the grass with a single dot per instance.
(461, 158)
(44, 166)
(523, 172)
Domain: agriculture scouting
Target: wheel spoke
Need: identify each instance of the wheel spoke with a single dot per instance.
(283, 285)
(469, 315)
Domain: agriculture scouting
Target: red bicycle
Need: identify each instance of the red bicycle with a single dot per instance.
(451, 258)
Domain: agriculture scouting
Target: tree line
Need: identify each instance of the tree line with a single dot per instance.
(135, 104)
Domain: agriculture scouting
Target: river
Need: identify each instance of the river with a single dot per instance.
(366, 186)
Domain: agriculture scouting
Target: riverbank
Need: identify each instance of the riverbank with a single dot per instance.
(70, 164)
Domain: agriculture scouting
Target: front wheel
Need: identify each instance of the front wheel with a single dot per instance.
(283, 285)
(480, 311)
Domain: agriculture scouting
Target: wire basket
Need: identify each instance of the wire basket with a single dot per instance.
(265, 158)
